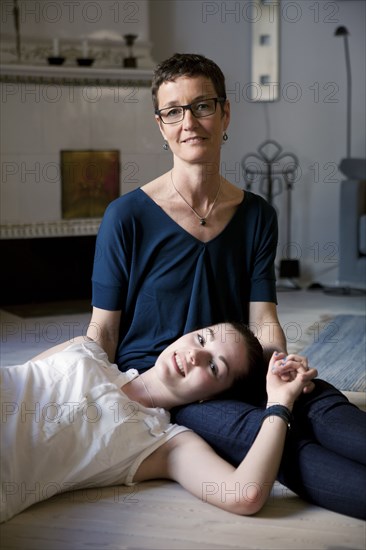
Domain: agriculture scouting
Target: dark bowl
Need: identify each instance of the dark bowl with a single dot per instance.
(55, 60)
(85, 61)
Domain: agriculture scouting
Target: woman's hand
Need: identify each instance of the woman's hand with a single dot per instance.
(292, 362)
(287, 379)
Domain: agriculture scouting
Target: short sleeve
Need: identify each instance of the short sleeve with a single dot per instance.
(263, 278)
(112, 258)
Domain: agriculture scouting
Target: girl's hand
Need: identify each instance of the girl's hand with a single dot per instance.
(289, 364)
(285, 387)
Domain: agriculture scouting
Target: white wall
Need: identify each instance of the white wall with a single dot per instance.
(312, 125)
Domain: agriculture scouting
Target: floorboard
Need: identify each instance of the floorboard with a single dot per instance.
(162, 515)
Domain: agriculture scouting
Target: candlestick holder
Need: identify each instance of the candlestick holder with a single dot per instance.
(131, 60)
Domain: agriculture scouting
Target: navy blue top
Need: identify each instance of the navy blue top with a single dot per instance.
(168, 283)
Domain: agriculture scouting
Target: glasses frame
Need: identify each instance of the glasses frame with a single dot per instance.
(188, 107)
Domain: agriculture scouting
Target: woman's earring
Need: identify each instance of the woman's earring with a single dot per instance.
(165, 145)
(225, 137)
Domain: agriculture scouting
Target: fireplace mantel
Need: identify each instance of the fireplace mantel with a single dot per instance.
(42, 118)
(70, 75)
(59, 228)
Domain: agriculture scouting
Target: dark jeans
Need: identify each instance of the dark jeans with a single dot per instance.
(324, 459)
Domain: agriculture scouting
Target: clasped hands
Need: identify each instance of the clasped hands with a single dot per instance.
(290, 375)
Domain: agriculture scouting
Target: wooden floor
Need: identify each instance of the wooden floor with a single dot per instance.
(161, 515)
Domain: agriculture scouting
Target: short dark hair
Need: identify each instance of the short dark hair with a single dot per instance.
(191, 65)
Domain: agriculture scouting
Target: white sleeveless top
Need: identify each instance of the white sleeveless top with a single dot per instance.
(66, 424)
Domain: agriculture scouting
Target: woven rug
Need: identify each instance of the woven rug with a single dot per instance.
(338, 351)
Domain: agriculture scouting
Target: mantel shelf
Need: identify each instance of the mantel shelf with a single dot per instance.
(66, 75)
(58, 228)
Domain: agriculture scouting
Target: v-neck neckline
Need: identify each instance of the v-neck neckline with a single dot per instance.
(182, 229)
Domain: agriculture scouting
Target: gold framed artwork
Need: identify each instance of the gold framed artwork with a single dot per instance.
(90, 180)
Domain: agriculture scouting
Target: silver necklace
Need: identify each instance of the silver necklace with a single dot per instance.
(202, 219)
(148, 393)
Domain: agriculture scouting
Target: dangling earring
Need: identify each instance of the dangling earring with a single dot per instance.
(165, 145)
(225, 137)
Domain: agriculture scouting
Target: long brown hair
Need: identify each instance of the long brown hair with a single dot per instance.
(251, 385)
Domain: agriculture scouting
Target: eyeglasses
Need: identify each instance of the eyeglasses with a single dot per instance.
(199, 109)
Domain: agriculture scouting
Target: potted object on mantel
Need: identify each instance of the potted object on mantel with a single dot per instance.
(56, 58)
(85, 60)
(130, 61)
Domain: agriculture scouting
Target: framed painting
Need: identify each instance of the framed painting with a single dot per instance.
(90, 180)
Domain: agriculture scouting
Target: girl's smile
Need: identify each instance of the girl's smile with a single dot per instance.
(199, 364)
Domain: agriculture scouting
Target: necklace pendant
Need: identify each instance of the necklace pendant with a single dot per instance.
(202, 221)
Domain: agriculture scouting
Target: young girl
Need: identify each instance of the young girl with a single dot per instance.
(73, 420)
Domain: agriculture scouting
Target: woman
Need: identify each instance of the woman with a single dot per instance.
(73, 420)
(189, 248)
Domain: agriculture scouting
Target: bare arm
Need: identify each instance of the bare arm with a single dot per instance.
(190, 461)
(266, 326)
(264, 322)
(104, 329)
